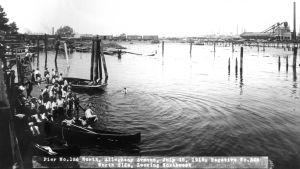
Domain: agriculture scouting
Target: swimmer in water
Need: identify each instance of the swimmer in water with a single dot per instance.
(125, 90)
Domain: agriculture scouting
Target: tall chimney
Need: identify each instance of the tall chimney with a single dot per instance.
(294, 31)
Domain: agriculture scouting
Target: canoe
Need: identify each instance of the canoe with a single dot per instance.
(75, 134)
(84, 84)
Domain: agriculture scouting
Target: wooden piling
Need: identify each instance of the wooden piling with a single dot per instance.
(56, 53)
(295, 57)
(104, 62)
(191, 44)
(232, 46)
(66, 53)
(241, 58)
(92, 61)
(98, 53)
(96, 69)
(46, 57)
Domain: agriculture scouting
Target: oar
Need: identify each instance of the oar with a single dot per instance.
(84, 129)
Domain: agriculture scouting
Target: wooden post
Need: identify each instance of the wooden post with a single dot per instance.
(45, 42)
(92, 61)
(163, 48)
(56, 53)
(232, 45)
(294, 57)
(279, 63)
(241, 59)
(96, 71)
(104, 62)
(66, 53)
(38, 54)
(98, 53)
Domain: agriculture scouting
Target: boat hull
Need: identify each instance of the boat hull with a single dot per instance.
(84, 84)
(90, 136)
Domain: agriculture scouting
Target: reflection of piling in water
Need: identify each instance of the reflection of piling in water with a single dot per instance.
(214, 46)
(228, 65)
(279, 63)
(119, 54)
(191, 45)
(294, 57)
(162, 48)
(232, 46)
(257, 46)
(46, 57)
(287, 63)
(241, 59)
(236, 66)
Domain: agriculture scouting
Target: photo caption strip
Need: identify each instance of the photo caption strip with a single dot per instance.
(143, 162)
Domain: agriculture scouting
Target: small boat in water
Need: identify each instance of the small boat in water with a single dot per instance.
(84, 84)
(75, 134)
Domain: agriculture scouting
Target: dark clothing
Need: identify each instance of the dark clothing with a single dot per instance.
(29, 88)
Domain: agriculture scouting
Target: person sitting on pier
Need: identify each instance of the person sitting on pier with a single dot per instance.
(89, 114)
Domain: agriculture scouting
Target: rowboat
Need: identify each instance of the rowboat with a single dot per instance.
(84, 84)
(75, 135)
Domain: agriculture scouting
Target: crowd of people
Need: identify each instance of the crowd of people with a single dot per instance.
(56, 103)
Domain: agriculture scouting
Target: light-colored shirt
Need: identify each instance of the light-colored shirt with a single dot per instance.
(89, 113)
(60, 102)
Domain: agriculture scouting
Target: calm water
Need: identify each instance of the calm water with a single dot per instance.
(191, 105)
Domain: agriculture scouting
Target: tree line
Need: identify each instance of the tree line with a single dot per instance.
(9, 28)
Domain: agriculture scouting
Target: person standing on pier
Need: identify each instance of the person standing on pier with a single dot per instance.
(47, 75)
(29, 88)
(53, 75)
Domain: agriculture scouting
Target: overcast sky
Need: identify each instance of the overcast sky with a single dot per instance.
(146, 17)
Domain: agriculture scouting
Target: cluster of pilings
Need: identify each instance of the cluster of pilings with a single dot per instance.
(97, 62)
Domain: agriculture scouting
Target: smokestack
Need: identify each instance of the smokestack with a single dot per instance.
(294, 31)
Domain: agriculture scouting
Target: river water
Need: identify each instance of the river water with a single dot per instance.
(191, 105)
